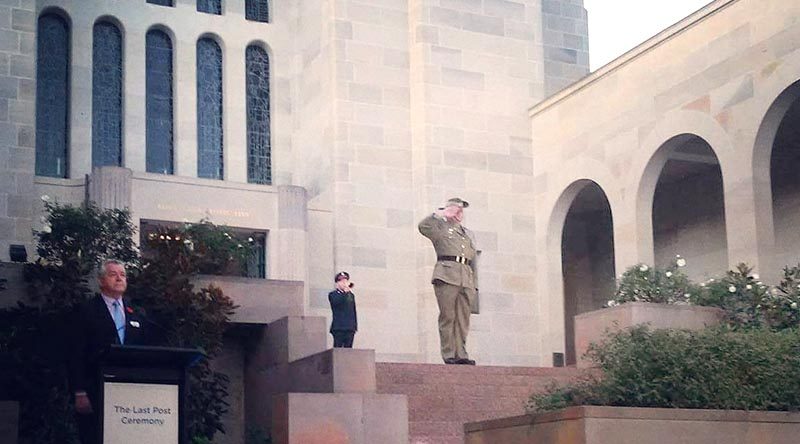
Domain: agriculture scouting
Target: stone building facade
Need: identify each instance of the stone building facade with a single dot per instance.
(687, 145)
(375, 113)
(379, 110)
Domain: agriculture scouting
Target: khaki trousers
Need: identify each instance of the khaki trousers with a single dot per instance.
(454, 311)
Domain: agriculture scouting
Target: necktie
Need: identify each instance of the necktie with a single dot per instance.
(119, 320)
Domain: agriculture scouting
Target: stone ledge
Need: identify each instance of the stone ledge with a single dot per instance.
(641, 425)
(259, 301)
(337, 370)
(356, 418)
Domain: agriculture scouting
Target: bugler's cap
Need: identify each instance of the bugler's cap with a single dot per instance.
(341, 275)
(456, 201)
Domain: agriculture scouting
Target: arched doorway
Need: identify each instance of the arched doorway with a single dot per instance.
(587, 258)
(784, 172)
(688, 208)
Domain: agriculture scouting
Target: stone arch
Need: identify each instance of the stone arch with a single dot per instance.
(673, 131)
(776, 158)
(583, 221)
(687, 205)
(775, 94)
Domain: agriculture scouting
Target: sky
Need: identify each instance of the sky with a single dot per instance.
(615, 26)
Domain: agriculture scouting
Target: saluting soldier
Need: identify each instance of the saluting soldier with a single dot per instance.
(454, 277)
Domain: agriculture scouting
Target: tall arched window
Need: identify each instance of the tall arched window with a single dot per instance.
(52, 95)
(256, 10)
(209, 109)
(259, 169)
(210, 6)
(158, 85)
(106, 95)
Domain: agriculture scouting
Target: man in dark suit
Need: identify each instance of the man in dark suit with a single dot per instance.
(101, 321)
(343, 305)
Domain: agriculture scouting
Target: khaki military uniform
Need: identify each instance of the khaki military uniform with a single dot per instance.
(454, 281)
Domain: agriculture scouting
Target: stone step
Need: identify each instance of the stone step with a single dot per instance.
(441, 398)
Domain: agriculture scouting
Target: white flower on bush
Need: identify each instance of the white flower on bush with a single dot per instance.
(643, 267)
(687, 295)
(45, 198)
(749, 287)
(755, 276)
(611, 303)
(681, 262)
(774, 291)
(47, 229)
(732, 289)
(668, 274)
(794, 305)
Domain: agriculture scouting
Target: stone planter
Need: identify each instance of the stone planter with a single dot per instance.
(592, 326)
(604, 425)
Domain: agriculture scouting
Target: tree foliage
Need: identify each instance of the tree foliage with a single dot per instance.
(74, 241)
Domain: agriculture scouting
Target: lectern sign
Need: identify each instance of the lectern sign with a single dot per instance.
(140, 413)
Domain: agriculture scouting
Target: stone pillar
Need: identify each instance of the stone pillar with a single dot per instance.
(267, 371)
(134, 140)
(184, 49)
(110, 187)
(80, 106)
(565, 37)
(233, 7)
(749, 230)
(287, 245)
(234, 112)
(17, 120)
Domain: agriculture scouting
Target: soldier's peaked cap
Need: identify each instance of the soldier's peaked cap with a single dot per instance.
(458, 202)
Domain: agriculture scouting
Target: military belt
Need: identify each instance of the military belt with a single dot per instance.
(459, 259)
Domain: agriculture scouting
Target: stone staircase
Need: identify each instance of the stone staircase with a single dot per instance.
(441, 398)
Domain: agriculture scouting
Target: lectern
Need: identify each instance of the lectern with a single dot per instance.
(143, 393)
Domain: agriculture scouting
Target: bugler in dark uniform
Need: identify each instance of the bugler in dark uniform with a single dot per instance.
(454, 277)
(343, 306)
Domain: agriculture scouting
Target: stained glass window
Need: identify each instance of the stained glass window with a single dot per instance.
(106, 95)
(52, 96)
(210, 6)
(161, 2)
(209, 109)
(158, 85)
(259, 169)
(257, 10)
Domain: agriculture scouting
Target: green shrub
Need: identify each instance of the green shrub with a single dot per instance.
(716, 368)
(739, 292)
(783, 304)
(643, 283)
